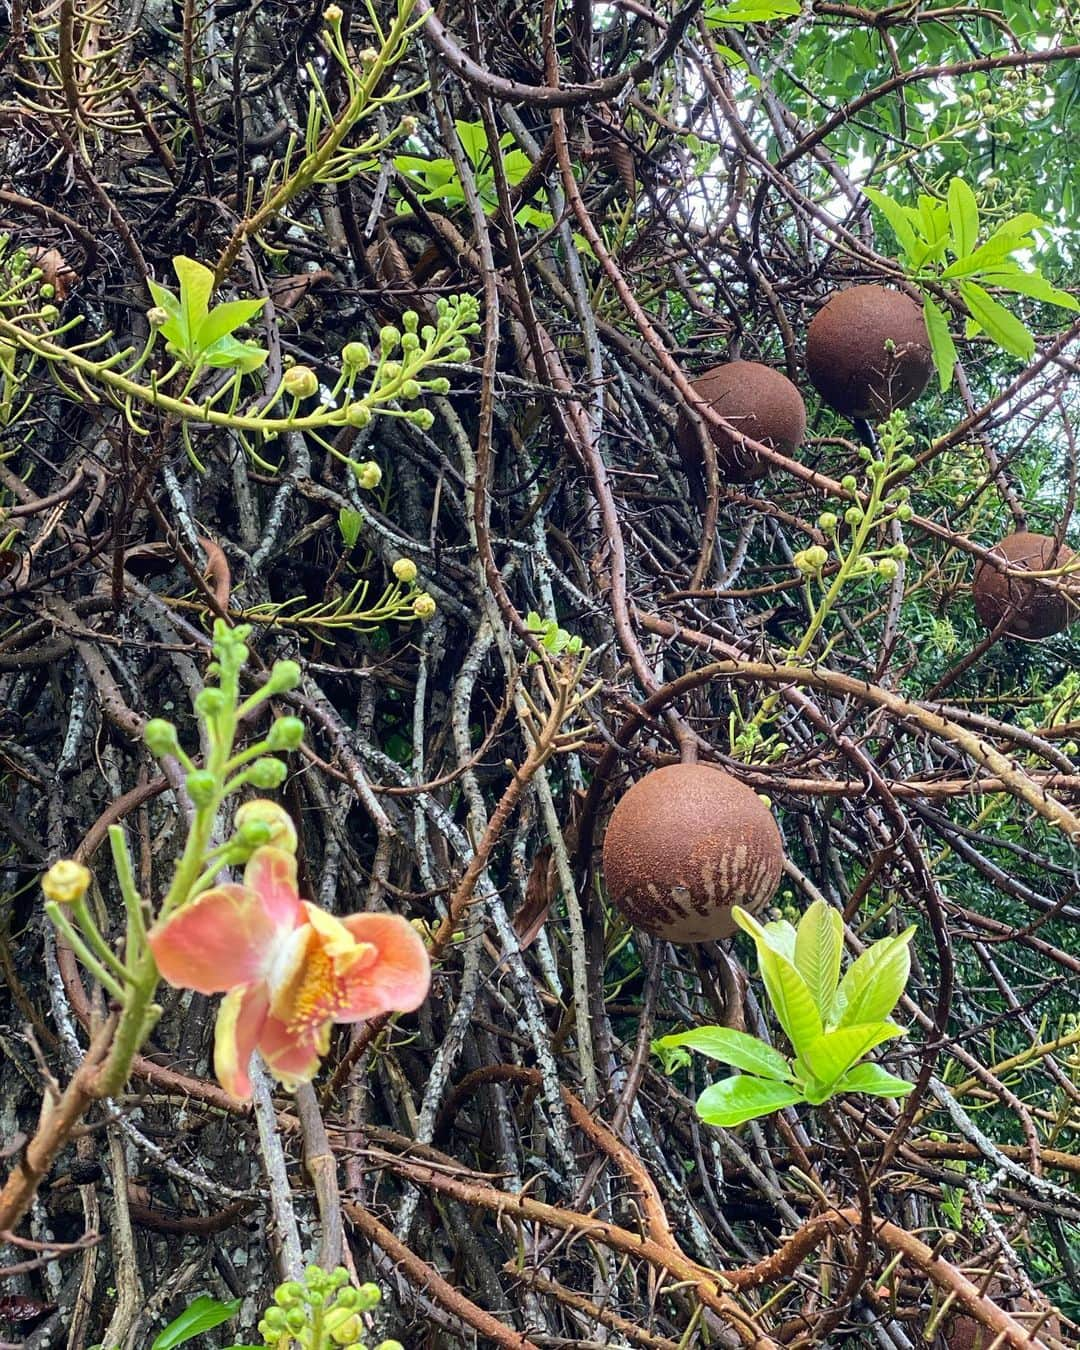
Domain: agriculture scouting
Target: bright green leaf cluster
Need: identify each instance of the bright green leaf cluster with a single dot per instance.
(929, 233)
(438, 180)
(553, 639)
(831, 1023)
(198, 335)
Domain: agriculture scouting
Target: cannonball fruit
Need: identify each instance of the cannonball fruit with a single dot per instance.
(847, 357)
(964, 1332)
(763, 404)
(684, 844)
(1034, 610)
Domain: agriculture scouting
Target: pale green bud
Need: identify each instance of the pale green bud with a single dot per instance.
(368, 475)
(300, 382)
(405, 570)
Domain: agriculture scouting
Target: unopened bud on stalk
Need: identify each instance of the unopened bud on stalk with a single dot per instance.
(66, 881)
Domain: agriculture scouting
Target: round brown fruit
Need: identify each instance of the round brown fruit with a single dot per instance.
(684, 844)
(847, 357)
(964, 1332)
(1034, 611)
(762, 403)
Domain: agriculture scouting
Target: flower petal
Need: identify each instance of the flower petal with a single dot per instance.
(293, 1057)
(223, 938)
(271, 874)
(240, 1021)
(397, 979)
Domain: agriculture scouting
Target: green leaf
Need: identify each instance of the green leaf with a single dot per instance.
(734, 1048)
(819, 945)
(229, 352)
(831, 1054)
(1009, 237)
(202, 1315)
(872, 986)
(165, 298)
(899, 217)
(349, 523)
(1011, 277)
(740, 12)
(778, 935)
(963, 217)
(473, 140)
(791, 999)
(737, 1100)
(223, 319)
(196, 288)
(875, 1081)
(941, 342)
(996, 321)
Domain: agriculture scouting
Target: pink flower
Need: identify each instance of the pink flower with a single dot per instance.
(288, 969)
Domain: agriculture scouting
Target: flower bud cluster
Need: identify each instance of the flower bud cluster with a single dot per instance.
(321, 1311)
(810, 561)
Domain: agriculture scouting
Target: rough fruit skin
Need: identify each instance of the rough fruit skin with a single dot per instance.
(684, 844)
(963, 1332)
(846, 357)
(1036, 611)
(761, 402)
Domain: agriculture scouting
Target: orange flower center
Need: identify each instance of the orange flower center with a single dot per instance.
(323, 990)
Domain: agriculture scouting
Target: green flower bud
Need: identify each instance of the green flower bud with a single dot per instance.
(284, 675)
(854, 515)
(907, 463)
(160, 737)
(424, 606)
(268, 816)
(285, 734)
(66, 882)
(358, 415)
(356, 356)
(410, 389)
(296, 1320)
(904, 513)
(47, 290)
(332, 15)
(889, 568)
(410, 343)
(348, 1298)
(423, 418)
(300, 382)
(389, 337)
(899, 550)
(343, 1324)
(439, 385)
(405, 570)
(274, 1320)
(266, 773)
(49, 312)
(202, 787)
(255, 834)
(371, 1296)
(848, 482)
(391, 371)
(389, 1345)
(368, 475)
(827, 521)
(459, 356)
(210, 701)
